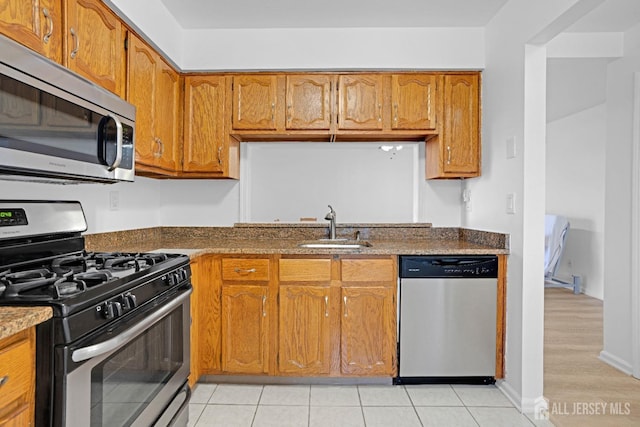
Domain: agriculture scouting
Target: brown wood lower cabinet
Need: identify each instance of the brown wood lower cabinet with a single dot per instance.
(286, 315)
(305, 331)
(245, 326)
(17, 379)
(368, 331)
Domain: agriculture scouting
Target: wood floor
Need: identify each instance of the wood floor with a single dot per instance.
(582, 390)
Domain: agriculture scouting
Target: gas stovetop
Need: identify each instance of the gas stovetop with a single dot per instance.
(70, 275)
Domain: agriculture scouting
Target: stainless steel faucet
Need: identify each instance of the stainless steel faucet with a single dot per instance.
(331, 217)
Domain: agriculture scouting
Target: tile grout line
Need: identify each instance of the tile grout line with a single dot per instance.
(255, 413)
(364, 420)
(309, 407)
(413, 405)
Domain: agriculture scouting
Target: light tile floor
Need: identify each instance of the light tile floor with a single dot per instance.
(232, 405)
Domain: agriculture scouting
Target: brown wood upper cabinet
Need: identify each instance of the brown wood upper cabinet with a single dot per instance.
(36, 24)
(204, 133)
(360, 102)
(455, 151)
(336, 106)
(94, 44)
(309, 103)
(153, 87)
(414, 101)
(255, 102)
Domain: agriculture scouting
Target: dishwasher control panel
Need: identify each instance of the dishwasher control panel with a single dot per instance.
(434, 266)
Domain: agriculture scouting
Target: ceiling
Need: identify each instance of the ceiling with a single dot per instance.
(612, 15)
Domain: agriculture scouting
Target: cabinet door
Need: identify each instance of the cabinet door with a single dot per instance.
(36, 24)
(245, 324)
(141, 84)
(205, 318)
(255, 102)
(413, 100)
(167, 116)
(17, 369)
(360, 102)
(94, 43)
(308, 102)
(204, 124)
(304, 330)
(368, 342)
(460, 135)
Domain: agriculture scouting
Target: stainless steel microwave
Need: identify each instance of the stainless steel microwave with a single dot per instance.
(56, 126)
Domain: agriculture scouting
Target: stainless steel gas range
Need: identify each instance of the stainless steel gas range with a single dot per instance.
(116, 352)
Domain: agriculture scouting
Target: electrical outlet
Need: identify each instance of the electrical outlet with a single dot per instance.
(114, 200)
(466, 199)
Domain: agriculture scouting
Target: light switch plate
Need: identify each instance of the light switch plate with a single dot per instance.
(511, 147)
(511, 203)
(114, 200)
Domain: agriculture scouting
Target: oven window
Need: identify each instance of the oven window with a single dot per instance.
(123, 385)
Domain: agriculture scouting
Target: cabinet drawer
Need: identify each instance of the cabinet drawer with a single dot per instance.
(368, 270)
(16, 368)
(245, 269)
(305, 270)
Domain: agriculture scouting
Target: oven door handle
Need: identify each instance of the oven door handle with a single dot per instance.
(89, 352)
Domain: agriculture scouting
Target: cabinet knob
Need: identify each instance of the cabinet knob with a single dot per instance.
(448, 154)
(245, 270)
(220, 155)
(4, 380)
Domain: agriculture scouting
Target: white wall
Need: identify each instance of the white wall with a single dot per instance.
(334, 48)
(617, 293)
(514, 106)
(139, 202)
(575, 188)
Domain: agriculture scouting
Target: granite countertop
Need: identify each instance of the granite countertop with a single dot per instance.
(197, 247)
(280, 238)
(16, 319)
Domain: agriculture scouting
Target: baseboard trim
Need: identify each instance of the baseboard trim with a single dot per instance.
(616, 362)
(510, 393)
(528, 406)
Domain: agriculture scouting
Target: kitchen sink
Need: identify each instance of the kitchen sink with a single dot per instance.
(335, 244)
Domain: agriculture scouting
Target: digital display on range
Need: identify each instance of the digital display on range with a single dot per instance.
(10, 217)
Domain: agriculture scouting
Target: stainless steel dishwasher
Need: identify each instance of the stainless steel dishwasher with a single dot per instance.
(447, 312)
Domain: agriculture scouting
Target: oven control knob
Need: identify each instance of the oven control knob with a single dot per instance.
(108, 311)
(129, 301)
(112, 310)
(117, 308)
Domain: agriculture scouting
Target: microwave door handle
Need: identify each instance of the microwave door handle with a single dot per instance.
(118, 158)
(95, 350)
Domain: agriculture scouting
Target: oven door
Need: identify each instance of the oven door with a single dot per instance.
(134, 374)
